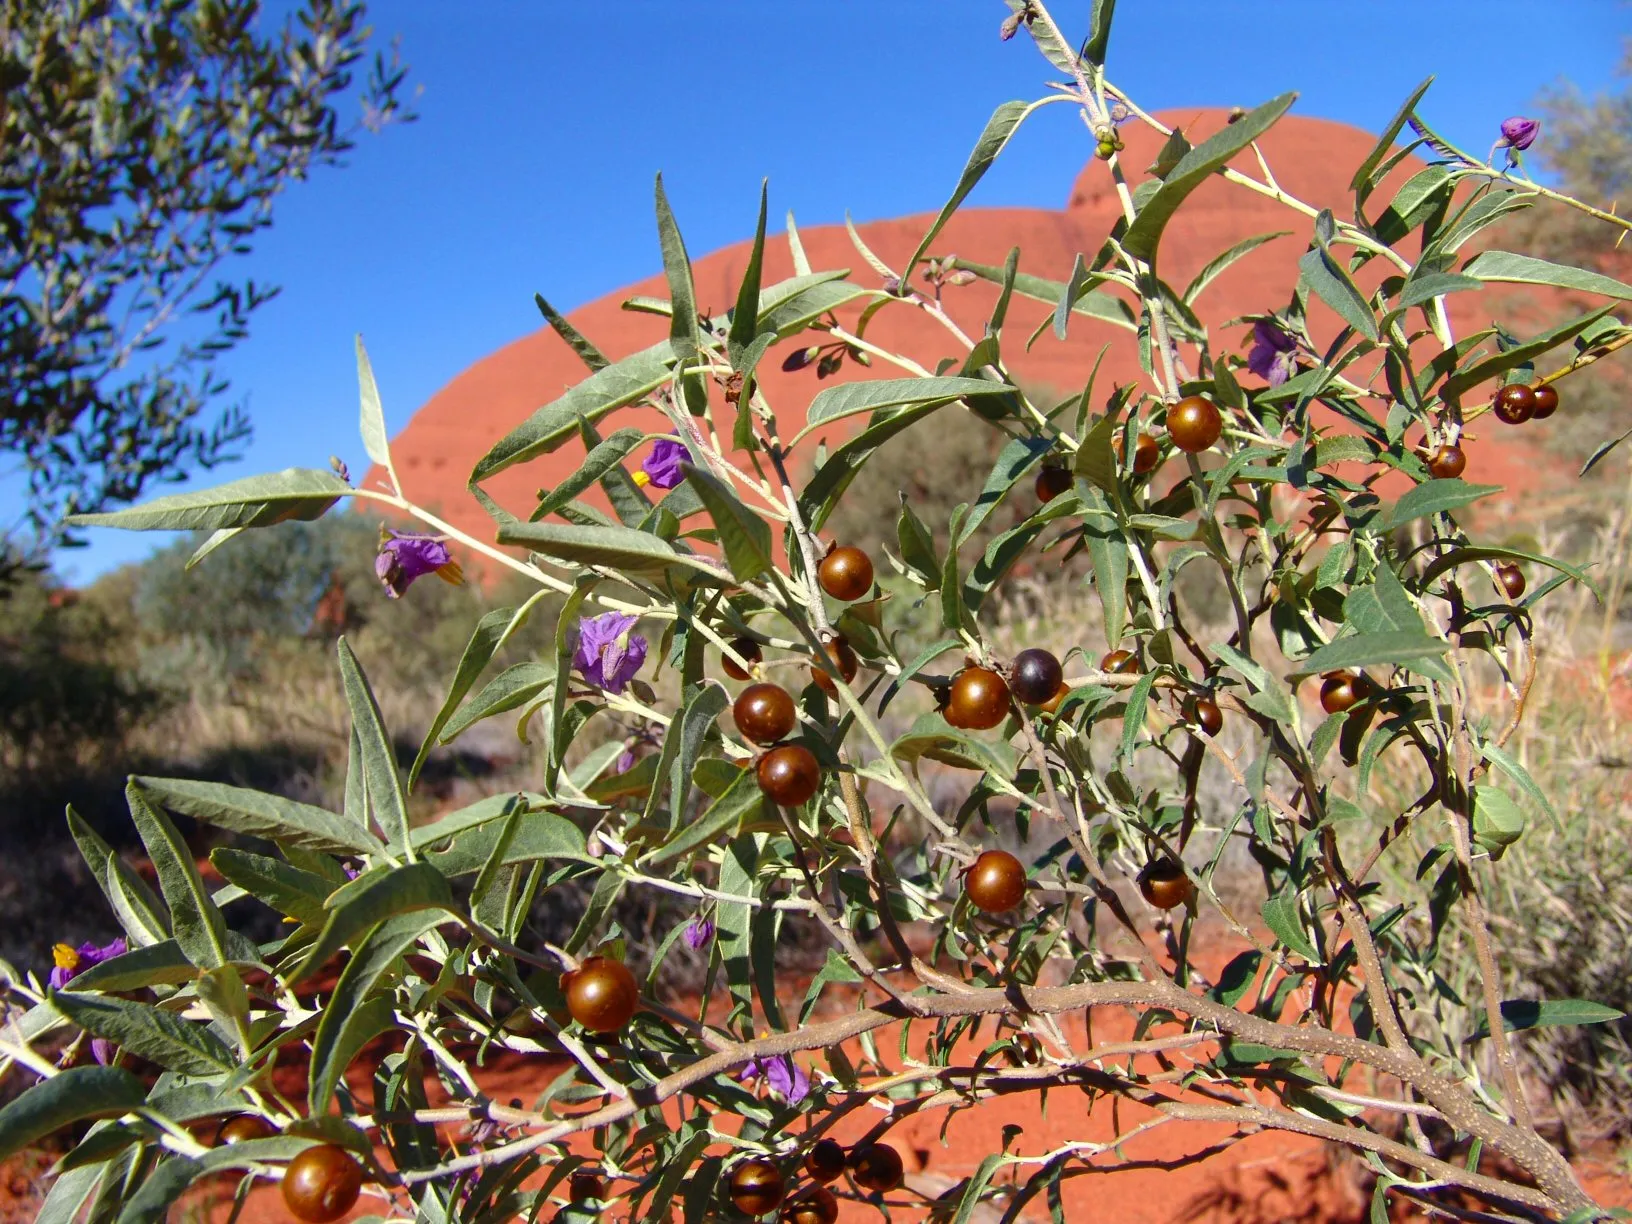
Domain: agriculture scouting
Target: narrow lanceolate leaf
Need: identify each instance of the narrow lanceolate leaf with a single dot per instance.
(742, 798)
(67, 1097)
(1195, 168)
(1425, 653)
(562, 326)
(1361, 184)
(1281, 916)
(195, 921)
(745, 318)
(848, 399)
(215, 540)
(1074, 285)
(975, 1187)
(372, 417)
(147, 923)
(286, 888)
(151, 1032)
(1511, 766)
(1432, 497)
(999, 128)
(1528, 270)
(600, 462)
(1331, 284)
(1099, 31)
(160, 1189)
(677, 267)
(261, 815)
(1218, 264)
(370, 901)
(620, 383)
(1602, 450)
(1538, 1013)
(745, 537)
(1521, 354)
(385, 793)
(349, 1022)
(511, 689)
(301, 494)
(636, 553)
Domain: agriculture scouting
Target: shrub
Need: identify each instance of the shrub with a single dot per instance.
(1038, 841)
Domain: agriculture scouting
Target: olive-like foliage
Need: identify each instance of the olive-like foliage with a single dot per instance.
(322, 1183)
(1194, 424)
(1051, 482)
(601, 993)
(1546, 401)
(818, 1205)
(757, 1187)
(1511, 579)
(764, 713)
(1204, 712)
(1447, 463)
(995, 882)
(978, 700)
(789, 774)
(244, 1128)
(876, 1166)
(1341, 689)
(1035, 675)
(825, 1160)
(1164, 884)
(748, 649)
(846, 573)
(840, 650)
(1515, 404)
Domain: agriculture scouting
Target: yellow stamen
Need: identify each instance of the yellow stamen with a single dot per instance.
(65, 957)
(451, 573)
(641, 479)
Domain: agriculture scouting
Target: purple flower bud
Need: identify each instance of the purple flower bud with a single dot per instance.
(697, 933)
(102, 1050)
(406, 556)
(662, 466)
(1519, 132)
(1274, 353)
(787, 1079)
(625, 761)
(800, 358)
(608, 654)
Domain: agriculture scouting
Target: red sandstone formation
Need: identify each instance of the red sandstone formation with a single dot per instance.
(1312, 159)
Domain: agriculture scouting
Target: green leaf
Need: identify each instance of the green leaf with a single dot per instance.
(1375, 649)
(294, 494)
(1219, 263)
(1108, 555)
(1074, 285)
(348, 1022)
(151, 1032)
(1433, 497)
(139, 910)
(975, 1187)
(1099, 32)
(1527, 270)
(161, 964)
(830, 480)
(587, 352)
(677, 268)
(258, 814)
(1096, 305)
(999, 128)
(1133, 717)
(1195, 168)
(160, 1189)
(745, 537)
(1603, 449)
(511, 689)
(1096, 458)
(1274, 692)
(1361, 184)
(286, 888)
(600, 461)
(745, 318)
(67, 1097)
(195, 922)
(1512, 768)
(733, 920)
(1498, 822)
(634, 552)
(1332, 285)
(848, 399)
(538, 836)
(740, 800)
(621, 383)
(1520, 354)
(1281, 916)
(372, 417)
(918, 547)
(922, 660)
(385, 795)
(1540, 1013)
(1237, 978)
(370, 900)
(1488, 552)
(931, 737)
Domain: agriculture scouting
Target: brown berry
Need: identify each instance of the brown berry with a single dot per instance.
(839, 649)
(1204, 712)
(244, 1128)
(601, 994)
(1447, 463)
(1194, 424)
(1026, 1050)
(322, 1183)
(1035, 676)
(764, 713)
(1546, 401)
(1053, 703)
(846, 573)
(818, 1205)
(1051, 482)
(1146, 453)
(979, 699)
(757, 1187)
(996, 882)
(825, 1160)
(1341, 689)
(1120, 663)
(748, 649)
(1515, 403)
(789, 774)
(586, 1186)
(876, 1166)
(1164, 884)
(1510, 578)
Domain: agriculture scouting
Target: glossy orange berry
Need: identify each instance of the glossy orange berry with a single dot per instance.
(996, 882)
(1546, 401)
(978, 701)
(1054, 702)
(586, 1186)
(1510, 578)
(1035, 675)
(1051, 482)
(846, 573)
(748, 649)
(601, 993)
(1515, 403)
(1119, 663)
(764, 713)
(1146, 452)
(1204, 712)
(1341, 689)
(1026, 1051)
(243, 1129)
(789, 774)
(757, 1187)
(1447, 463)
(825, 1160)
(322, 1184)
(818, 1205)
(840, 650)
(1164, 884)
(876, 1166)
(1194, 424)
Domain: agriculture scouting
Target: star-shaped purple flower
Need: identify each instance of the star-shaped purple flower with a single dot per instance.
(405, 556)
(71, 961)
(1519, 132)
(1274, 355)
(608, 654)
(697, 933)
(661, 468)
(787, 1079)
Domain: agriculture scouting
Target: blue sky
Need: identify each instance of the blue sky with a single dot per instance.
(542, 124)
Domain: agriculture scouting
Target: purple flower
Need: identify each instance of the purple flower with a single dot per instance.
(102, 1050)
(1519, 132)
(697, 933)
(661, 469)
(608, 654)
(1274, 353)
(71, 961)
(786, 1077)
(405, 556)
(625, 761)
